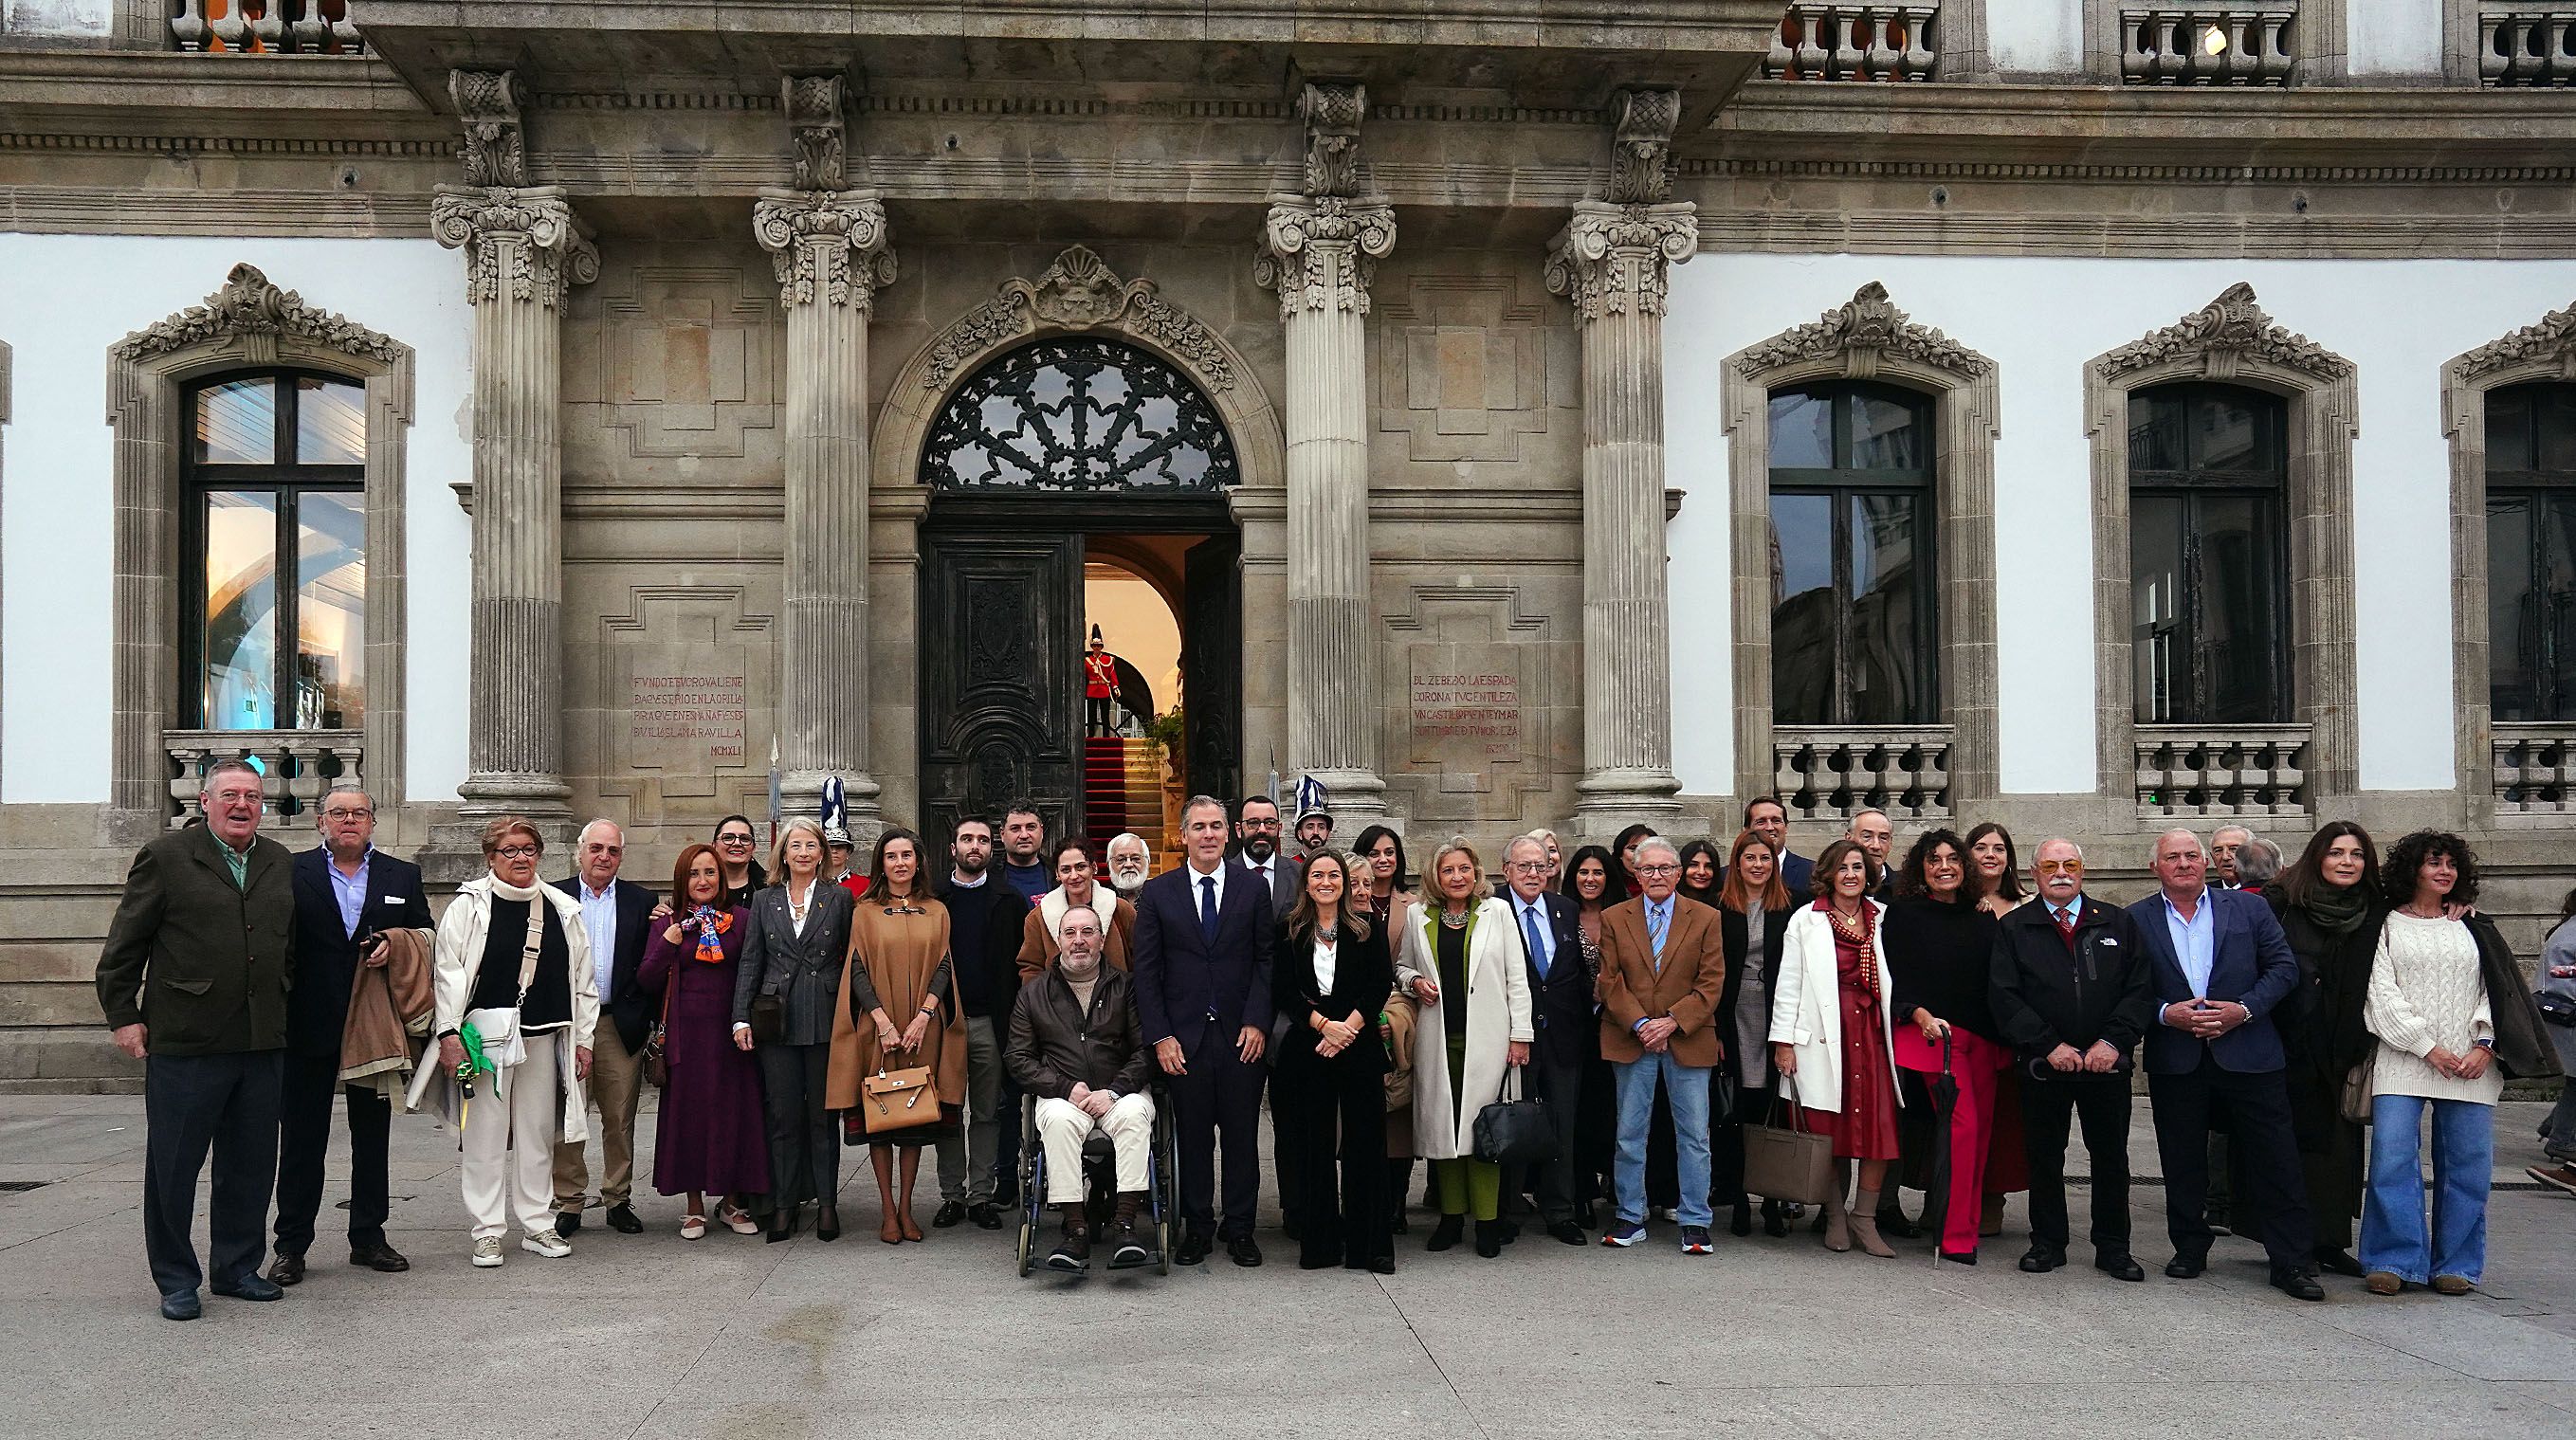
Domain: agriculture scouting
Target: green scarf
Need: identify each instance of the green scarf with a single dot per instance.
(2336, 909)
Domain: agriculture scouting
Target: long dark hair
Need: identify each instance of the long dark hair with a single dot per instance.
(1821, 881)
(1716, 871)
(1910, 883)
(1619, 849)
(753, 874)
(2306, 878)
(1367, 842)
(878, 892)
(1352, 920)
(2009, 886)
(2406, 860)
(1614, 881)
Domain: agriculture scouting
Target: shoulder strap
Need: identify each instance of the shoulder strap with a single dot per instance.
(536, 939)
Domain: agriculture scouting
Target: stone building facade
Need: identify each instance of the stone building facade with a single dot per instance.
(657, 401)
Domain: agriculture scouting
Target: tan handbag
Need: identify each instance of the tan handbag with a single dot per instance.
(1788, 1163)
(2354, 1100)
(896, 1100)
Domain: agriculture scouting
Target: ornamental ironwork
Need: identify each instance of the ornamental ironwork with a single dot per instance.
(1079, 414)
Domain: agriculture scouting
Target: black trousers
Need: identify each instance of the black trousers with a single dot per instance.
(2257, 1109)
(1095, 715)
(1556, 1180)
(304, 1142)
(193, 1104)
(2102, 1103)
(804, 1148)
(1336, 1113)
(1217, 1103)
(1726, 1145)
(1289, 1151)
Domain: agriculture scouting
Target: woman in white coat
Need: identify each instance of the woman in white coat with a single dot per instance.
(1464, 966)
(1831, 1039)
(512, 962)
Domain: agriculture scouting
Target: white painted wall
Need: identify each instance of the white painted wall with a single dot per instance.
(2394, 37)
(64, 299)
(2037, 37)
(2040, 320)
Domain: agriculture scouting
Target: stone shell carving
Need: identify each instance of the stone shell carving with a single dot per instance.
(1320, 254)
(1078, 292)
(1617, 259)
(248, 304)
(1863, 329)
(487, 101)
(849, 270)
(520, 244)
(2550, 342)
(2222, 335)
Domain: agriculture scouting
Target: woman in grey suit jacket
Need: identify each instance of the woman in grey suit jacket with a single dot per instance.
(800, 928)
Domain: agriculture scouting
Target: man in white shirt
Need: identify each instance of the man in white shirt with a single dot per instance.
(615, 916)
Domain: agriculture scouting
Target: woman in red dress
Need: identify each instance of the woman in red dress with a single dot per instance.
(1830, 1037)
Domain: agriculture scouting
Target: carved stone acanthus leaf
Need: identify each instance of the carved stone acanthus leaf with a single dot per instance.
(1859, 333)
(1332, 111)
(1321, 254)
(2222, 335)
(520, 244)
(249, 305)
(1641, 146)
(496, 148)
(1078, 292)
(2552, 342)
(1616, 259)
(816, 130)
(830, 245)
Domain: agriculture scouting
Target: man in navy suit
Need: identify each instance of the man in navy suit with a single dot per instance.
(1567, 1036)
(346, 891)
(2220, 964)
(1201, 960)
(617, 918)
(1765, 816)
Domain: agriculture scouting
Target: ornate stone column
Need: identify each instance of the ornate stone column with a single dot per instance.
(523, 246)
(1611, 260)
(1317, 250)
(831, 251)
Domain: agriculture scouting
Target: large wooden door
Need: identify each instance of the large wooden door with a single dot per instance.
(1212, 667)
(1000, 615)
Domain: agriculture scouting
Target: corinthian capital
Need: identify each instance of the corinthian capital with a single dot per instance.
(1318, 254)
(830, 246)
(1614, 259)
(521, 243)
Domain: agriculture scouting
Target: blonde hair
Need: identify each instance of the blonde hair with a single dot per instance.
(801, 825)
(1477, 893)
(1351, 920)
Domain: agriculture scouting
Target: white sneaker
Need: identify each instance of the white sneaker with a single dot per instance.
(543, 1242)
(487, 1253)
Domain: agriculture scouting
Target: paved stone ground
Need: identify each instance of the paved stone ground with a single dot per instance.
(649, 1335)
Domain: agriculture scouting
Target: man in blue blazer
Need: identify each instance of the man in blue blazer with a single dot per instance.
(1765, 816)
(1201, 959)
(346, 892)
(2220, 964)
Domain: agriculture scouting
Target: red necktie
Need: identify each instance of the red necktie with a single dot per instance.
(2065, 928)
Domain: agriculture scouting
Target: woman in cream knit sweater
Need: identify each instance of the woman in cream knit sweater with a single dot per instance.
(2436, 1028)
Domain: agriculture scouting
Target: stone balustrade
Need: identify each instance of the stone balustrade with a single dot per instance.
(2222, 772)
(1853, 42)
(266, 27)
(2206, 44)
(2535, 769)
(1826, 772)
(299, 765)
(2527, 47)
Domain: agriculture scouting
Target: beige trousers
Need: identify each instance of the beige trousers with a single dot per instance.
(1063, 1127)
(510, 1142)
(616, 1085)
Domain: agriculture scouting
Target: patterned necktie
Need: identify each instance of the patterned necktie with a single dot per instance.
(1207, 908)
(1537, 943)
(2065, 926)
(1657, 922)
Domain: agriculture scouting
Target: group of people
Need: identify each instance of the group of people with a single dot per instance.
(1663, 1000)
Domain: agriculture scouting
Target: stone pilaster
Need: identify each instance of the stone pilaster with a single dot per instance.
(523, 247)
(1317, 250)
(831, 251)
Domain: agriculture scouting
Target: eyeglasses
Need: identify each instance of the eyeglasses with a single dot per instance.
(1527, 867)
(733, 839)
(345, 813)
(1658, 869)
(518, 852)
(2060, 867)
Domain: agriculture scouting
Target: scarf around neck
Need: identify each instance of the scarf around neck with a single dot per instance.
(2336, 909)
(508, 891)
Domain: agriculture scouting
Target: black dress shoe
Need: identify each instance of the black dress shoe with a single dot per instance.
(2186, 1267)
(1382, 1265)
(1447, 1232)
(250, 1287)
(181, 1305)
(1489, 1238)
(1585, 1216)
(950, 1212)
(1775, 1219)
(1892, 1222)
(286, 1270)
(1509, 1230)
(621, 1218)
(2299, 1285)
(2338, 1262)
(1740, 1224)
(1567, 1231)
(566, 1222)
(379, 1257)
(2120, 1267)
(1960, 1257)
(986, 1216)
(2040, 1259)
(1192, 1250)
(827, 1223)
(1244, 1251)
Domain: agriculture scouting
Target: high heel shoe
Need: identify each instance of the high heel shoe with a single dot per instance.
(1775, 1219)
(1864, 1226)
(782, 1223)
(1838, 1226)
(827, 1223)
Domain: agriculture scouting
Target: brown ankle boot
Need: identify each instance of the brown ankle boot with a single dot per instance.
(1864, 1225)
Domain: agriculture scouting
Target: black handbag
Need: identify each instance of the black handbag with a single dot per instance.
(1516, 1132)
(2556, 1006)
(768, 1020)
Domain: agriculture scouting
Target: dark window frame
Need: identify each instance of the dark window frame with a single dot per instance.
(2267, 486)
(1841, 484)
(287, 481)
(2518, 479)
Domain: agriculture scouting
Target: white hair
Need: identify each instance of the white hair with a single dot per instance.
(2187, 835)
(1657, 842)
(2058, 840)
(1130, 835)
(1518, 841)
(584, 837)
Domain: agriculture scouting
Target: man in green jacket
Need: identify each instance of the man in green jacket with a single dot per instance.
(193, 980)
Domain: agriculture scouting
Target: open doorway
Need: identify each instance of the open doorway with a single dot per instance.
(1133, 698)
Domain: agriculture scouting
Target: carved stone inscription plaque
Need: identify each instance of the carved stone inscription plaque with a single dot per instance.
(686, 706)
(1466, 704)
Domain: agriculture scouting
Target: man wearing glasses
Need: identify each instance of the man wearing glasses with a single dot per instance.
(1663, 966)
(1567, 1039)
(347, 896)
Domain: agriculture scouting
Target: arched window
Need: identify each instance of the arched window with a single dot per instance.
(1079, 413)
(2531, 552)
(274, 530)
(1853, 633)
(2208, 546)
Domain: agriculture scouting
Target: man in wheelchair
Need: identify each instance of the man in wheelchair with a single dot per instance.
(1078, 1051)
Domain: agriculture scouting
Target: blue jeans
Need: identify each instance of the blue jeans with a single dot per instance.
(2392, 1213)
(1686, 1086)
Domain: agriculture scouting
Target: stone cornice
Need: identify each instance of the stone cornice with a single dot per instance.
(1078, 292)
(2224, 333)
(1861, 329)
(248, 304)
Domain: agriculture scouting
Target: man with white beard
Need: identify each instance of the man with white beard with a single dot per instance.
(1131, 863)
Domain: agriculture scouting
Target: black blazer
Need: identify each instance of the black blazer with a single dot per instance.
(1363, 978)
(803, 971)
(1563, 1018)
(627, 1005)
(1737, 936)
(326, 960)
(1184, 984)
(2046, 995)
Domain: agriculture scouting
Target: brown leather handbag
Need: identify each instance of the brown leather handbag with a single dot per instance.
(1785, 1162)
(891, 1101)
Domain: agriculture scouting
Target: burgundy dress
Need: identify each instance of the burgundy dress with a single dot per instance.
(711, 1137)
(1865, 1128)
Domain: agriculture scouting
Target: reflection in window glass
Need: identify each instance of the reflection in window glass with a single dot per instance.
(1884, 435)
(241, 611)
(1802, 432)
(237, 423)
(2209, 631)
(1886, 649)
(330, 610)
(1853, 635)
(2513, 606)
(2155, 601)
(1804, 611)
(330, 422)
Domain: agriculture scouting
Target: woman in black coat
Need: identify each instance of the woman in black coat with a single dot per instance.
(2330, 908)
(1753, 910)
(1331, 977)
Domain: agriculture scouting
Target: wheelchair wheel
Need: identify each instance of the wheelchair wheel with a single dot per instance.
(1032, 1179)
(1167, 1183)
